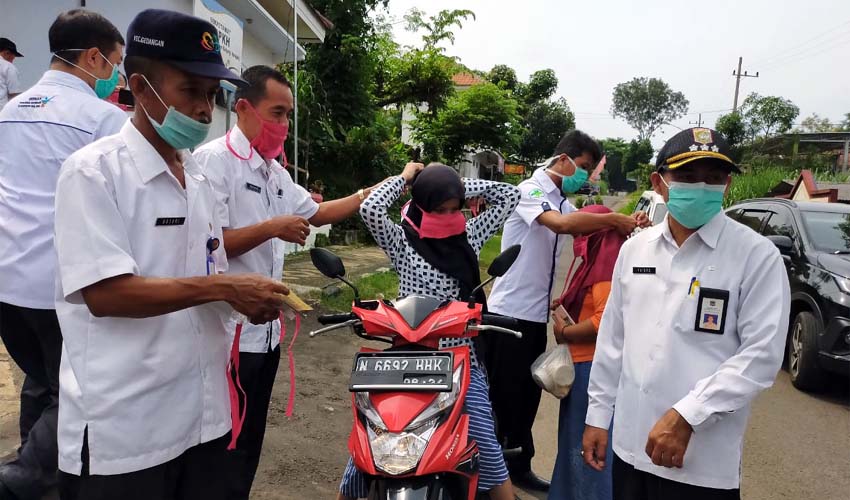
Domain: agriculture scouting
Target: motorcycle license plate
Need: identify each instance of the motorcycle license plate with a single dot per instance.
(402, 371)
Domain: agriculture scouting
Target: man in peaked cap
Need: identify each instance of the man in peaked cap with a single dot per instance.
(694, 329)
(141, 295)
(9, 78)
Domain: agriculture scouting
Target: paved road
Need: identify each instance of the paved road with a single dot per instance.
(797, 446)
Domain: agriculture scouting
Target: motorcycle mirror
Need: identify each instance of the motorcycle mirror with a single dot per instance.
(504, 261)
(327, 262)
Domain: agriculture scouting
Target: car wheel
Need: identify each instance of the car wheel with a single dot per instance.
(803, 366)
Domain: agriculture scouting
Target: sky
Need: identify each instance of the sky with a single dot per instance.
(800, 49)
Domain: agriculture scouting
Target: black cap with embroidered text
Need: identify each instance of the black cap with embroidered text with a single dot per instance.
(6, 44)
(696, 144)
(186, 42)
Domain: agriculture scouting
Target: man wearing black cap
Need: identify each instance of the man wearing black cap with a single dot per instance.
(10, 85)
(694, 329)
(140, 293)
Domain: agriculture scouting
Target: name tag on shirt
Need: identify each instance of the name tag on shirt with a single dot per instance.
(711, 311)
(170, 221)
(643, 270)
(252, 187)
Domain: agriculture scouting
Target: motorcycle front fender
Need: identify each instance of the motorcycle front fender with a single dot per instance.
(432, 487)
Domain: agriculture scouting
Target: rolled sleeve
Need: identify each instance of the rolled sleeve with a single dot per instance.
(90, 236)
(532, 202)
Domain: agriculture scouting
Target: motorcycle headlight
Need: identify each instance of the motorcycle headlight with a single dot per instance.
(399, 453)
(364, 405)
(443, 402)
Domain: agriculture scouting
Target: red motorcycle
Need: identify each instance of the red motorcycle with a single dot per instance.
(410, 433)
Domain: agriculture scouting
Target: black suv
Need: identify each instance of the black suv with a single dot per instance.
(814, 240)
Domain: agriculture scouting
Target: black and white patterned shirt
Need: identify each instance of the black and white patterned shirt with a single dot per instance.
(416, 275)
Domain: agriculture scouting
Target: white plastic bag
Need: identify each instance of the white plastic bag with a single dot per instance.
(554, 371)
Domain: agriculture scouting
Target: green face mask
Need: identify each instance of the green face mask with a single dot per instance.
(103, 87)
(572, 183)
(693, 205)
(177, 129)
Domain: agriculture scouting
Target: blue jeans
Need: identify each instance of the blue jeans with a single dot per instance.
(572, 479)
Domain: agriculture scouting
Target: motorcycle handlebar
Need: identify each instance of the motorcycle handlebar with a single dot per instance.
(502, 321)
(332, 319)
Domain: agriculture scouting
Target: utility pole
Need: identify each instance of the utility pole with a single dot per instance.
(738, 75)
(698, 123)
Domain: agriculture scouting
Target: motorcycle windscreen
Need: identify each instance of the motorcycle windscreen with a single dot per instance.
(415, 308)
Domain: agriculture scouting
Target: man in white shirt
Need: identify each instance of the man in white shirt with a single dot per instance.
(694, 329)
(260, 209)
(39, 129)
(541, 218)
(140, 294)
(10, 85)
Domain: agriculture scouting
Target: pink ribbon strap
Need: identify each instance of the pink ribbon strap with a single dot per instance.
(290, 405)
(237, 412)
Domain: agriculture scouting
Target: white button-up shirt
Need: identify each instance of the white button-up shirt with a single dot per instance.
(147, 389)
(249, 192)
(39, 129)
(9, 81)
(523, 292)
(650, 357)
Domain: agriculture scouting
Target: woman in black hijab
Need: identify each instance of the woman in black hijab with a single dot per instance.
(435, 251)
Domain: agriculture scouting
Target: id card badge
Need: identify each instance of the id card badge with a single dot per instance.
(711, 311)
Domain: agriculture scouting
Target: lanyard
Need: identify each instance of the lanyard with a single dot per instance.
(230, 147)
(234, 385)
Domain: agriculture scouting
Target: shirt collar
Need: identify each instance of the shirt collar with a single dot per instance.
(543, 179)
(65, 79)
(709, 233)
(147, 160)
(242, 145)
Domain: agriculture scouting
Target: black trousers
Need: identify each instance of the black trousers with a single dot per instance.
(200, 473)
(513, 393)
(34, 341)
(632, 484)
(257, 372)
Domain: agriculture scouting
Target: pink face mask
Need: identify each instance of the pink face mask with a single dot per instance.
(269, 142)
(437, 226)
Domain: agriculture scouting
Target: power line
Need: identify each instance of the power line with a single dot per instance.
(815, 50)
(794, 48)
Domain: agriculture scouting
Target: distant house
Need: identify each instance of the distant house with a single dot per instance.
(806, 188)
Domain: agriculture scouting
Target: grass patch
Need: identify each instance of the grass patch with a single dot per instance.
(491, 250)
(370, 286)
(631, 203)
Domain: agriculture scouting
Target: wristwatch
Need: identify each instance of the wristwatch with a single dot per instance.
(361, 194)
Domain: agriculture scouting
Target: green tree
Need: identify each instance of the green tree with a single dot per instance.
(541, 86)
(733, 128)
(417, 76)
(438, 28)
(503, 76)
(637, 153)
(482, 117)
(614, 149)
(844, 126)
(768, 115)
(646, 104)
(545, 124)
(815, 124)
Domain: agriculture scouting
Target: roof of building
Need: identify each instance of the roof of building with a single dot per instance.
(466, 79)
